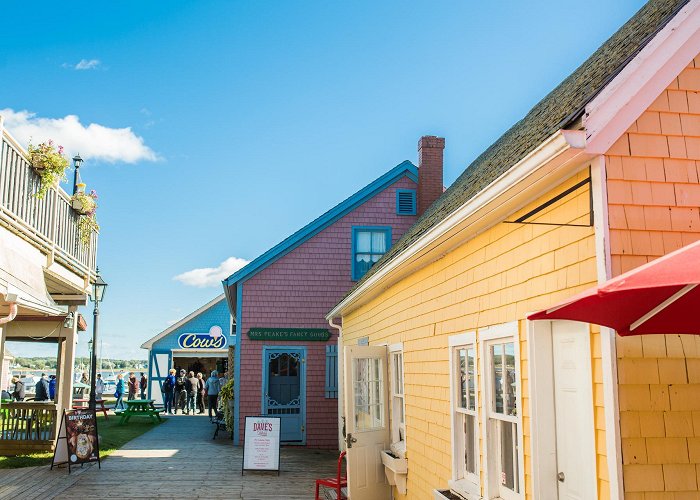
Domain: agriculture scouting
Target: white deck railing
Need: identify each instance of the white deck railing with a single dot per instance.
(50, 223)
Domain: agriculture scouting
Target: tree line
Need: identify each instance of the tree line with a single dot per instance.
(50, 362)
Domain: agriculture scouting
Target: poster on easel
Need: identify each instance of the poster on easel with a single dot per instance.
(261, 448)
(77, 441)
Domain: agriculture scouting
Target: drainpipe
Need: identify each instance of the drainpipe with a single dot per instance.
(12, 315)
(11, 298)
(341, 394)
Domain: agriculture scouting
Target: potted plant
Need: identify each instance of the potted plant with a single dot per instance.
(49, 163)
(86, 206)
(396, 470)
(226, 396)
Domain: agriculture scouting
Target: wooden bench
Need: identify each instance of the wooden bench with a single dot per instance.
(220, 422)
(100, 405)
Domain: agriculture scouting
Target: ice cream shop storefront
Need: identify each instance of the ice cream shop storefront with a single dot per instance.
(198, 342)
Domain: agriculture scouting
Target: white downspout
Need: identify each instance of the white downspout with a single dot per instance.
(11, 316)
(341, 394)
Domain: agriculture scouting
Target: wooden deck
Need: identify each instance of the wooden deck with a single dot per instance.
(177, 459)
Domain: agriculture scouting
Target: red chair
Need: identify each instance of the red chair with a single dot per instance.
(337, 483)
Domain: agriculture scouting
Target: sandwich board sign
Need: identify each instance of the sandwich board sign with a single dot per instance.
(77, 441)
(261, 447)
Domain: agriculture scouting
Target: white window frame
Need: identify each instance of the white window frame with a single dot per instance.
(469, 485)
(398, 445)
(497, 334)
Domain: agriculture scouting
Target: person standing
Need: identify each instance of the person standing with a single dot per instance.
(212, 388)
(133, 386)
(200, 393)
(179, 393)
(192, 390)
(84, 379)
(42, 389)
(18, 390)
(52, 387)
(99, 387)
(119, 393)
(168, 389)
(223, 379)
(143, 383)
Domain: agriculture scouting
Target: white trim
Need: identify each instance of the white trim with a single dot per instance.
(199, 353)
(558, 152)
(149, 343)
(608, 348)
(396, 347)
(509, 329)
(462, 339)
(641, 81)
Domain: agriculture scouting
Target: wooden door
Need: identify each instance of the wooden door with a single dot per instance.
(367, 421)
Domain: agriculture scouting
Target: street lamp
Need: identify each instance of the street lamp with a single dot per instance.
(98, 293)
(77, 161)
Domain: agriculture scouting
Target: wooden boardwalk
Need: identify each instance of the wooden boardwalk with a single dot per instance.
(177, 459)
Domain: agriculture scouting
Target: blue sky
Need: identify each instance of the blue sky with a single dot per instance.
(245, 120)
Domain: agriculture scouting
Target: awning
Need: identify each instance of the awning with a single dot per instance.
(662, 296)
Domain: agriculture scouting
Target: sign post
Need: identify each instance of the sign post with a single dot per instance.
(261, 448)
(77, 441)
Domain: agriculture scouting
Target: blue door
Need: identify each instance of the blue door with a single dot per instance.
(284, 390)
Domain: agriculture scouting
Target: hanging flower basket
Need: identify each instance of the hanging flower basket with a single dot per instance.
(86, 206)
(48, 161)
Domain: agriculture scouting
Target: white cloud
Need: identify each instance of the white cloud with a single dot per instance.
(83, 64)
(93, 141)
(211, 276)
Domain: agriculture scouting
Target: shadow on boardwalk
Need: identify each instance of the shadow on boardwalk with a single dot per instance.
(177, 459)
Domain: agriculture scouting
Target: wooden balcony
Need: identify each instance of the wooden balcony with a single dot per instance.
(50, 223)
(27, 427)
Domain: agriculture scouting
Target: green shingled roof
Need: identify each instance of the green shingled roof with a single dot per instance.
(559, 108)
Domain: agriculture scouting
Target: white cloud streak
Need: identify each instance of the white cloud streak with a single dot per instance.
(206, 277)
(92, 141)
(83, 64)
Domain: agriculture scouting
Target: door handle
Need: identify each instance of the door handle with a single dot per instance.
(349, 440)
(561, 477)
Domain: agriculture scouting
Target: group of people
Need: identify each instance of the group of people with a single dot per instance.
(45, 388)
(134, 386)
(188, 392)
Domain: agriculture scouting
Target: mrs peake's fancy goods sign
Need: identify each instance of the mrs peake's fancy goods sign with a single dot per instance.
(215, 339)
(261, 449)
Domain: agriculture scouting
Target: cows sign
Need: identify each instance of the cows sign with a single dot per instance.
(215, 339)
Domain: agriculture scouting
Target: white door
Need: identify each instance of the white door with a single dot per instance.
(573, 406)
(367, 421)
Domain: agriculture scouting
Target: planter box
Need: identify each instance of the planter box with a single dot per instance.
(396, 470)
(446, 495)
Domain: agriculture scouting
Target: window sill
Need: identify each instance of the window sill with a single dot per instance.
(465, 488)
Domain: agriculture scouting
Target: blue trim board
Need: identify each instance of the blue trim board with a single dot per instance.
(355, 229)
(406, 168)
(412, 192)
(237, 368)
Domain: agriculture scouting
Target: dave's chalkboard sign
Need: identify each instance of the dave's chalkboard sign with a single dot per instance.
(261, 448)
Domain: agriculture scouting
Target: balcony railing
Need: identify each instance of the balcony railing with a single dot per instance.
(27, 427)
(50, 223)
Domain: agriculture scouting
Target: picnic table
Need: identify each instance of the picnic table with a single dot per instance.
(83, 403)
(139, 408)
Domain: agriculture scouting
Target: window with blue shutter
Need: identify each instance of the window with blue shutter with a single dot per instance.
(332, 371)
(369, 243)
(406, 202)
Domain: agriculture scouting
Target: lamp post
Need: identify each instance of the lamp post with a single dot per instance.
(98, 293)
(77, 161)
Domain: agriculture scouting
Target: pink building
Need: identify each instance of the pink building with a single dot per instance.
(285, 353)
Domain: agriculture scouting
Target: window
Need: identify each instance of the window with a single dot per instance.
(465, 418)
(503, 444)
(368, 246)
(398, 416)
(369, 405)
(406, 202)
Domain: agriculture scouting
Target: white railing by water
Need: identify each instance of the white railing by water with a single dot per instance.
(50, 223)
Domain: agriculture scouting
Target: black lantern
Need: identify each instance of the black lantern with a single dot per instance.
(77, 161)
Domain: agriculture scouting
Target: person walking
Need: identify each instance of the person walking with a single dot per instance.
(18, 390)
(223, 379)
(52, 387)
(180, 393)
(143, 383)
(42, 389)
(212, 388)
(133, 386)
(168, 389)
(192, 391)
(119, 393)
(99, 387)
(201, 391)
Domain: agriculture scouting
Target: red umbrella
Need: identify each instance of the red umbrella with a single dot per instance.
(659, 297)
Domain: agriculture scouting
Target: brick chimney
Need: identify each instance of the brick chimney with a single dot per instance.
(430, 185)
